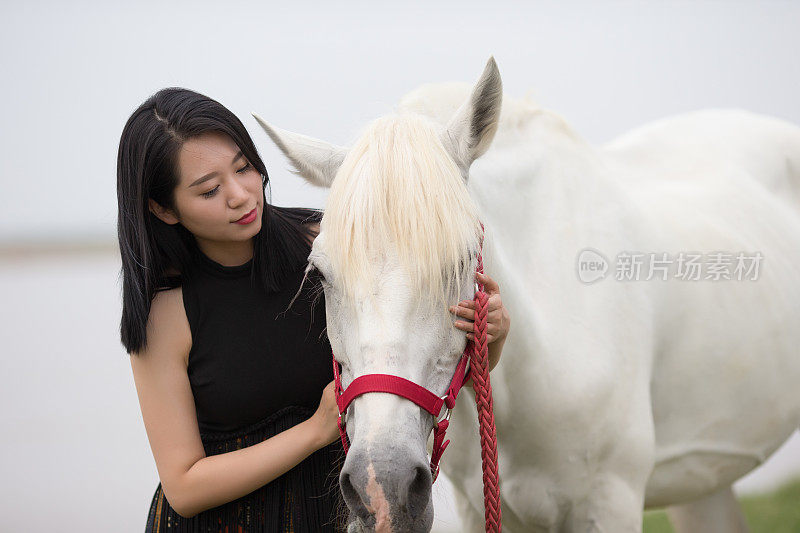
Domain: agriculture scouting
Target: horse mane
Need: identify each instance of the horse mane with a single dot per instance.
(398, 189)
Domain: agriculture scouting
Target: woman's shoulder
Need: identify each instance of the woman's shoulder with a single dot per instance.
(167, 323)
(170, 279)
(314, 229)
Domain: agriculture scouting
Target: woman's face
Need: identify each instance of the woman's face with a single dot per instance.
(216, 187)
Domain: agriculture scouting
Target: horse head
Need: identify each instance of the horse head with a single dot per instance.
(397, 246)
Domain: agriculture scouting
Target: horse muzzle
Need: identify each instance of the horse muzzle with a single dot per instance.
(388, 490)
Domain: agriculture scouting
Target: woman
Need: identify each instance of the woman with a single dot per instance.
(235, 389)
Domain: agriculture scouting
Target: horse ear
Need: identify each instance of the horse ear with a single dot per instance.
(315, 160)
(471, 130)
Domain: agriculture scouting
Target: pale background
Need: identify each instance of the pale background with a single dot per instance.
(75, 454)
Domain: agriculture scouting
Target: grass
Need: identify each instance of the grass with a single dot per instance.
(774, 512)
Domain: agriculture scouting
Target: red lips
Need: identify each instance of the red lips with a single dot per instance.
(248, 218)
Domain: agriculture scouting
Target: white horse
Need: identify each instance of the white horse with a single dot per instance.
(611, 396)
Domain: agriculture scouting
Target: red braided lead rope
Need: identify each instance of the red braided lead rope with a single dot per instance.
(479, 363)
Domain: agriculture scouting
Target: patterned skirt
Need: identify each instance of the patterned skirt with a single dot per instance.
(304, 499)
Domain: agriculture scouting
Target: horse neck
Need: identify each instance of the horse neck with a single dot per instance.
(538, 184)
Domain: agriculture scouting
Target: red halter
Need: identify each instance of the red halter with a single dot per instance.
(411, 391)
(475, 351)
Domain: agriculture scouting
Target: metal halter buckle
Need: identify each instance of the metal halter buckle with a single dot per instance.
(434, 472)
(446, 409)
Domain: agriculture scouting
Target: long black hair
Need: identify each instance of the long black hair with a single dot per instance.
(151, 250)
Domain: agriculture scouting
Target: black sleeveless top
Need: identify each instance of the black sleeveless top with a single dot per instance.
(252, 354)
(257, 367)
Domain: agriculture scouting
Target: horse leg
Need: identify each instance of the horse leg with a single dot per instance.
(577, 498)
(719, 512)
(614, 505)
(611, 498)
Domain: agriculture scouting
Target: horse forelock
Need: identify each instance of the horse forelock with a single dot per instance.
(399, 191)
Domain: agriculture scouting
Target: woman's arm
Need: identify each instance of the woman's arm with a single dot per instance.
(191, 481)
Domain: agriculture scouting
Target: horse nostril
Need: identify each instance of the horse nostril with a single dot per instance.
(419, 490)
(352, 497)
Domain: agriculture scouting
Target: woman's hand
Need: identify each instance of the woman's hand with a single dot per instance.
(326, 416)
(498, 321)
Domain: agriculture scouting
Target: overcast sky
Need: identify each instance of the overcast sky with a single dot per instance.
(73, 72)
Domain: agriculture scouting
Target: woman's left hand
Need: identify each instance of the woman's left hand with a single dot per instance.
(498, 320)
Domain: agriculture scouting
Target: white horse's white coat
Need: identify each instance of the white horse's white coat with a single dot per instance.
(617, 395)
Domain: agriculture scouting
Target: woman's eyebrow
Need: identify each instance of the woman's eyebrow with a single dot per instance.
(210, 175)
